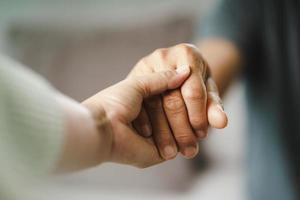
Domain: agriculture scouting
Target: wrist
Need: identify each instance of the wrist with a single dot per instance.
(103, 128)
(87, 141)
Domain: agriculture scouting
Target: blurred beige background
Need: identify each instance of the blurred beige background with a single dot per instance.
(84, 46)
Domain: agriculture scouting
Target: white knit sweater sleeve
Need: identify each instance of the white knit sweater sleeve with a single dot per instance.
(31, 129)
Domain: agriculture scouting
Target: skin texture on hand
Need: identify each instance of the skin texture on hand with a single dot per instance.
(94, 135)
(179, 118)
(84, 145)
(122, 103)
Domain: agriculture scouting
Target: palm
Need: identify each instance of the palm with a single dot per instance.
(122, 107)
(122, 103)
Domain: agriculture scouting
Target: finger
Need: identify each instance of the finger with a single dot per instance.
(159, 82)
(161, 132)
(133, 149)
(217, 118)
(178, 119)
(194, 94)
(142, 124)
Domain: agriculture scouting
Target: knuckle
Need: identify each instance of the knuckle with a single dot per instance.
(185, 139)
(160, 53)
(173, 102)
(186, 48)
(199, 121)
(143, 86)
(194, 94)
(168, 74)
(192, 54)
(141, 68)
(141, 65)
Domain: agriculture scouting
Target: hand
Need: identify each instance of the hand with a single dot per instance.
(180, 117)
(122, 103)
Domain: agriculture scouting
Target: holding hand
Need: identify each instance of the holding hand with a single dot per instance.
(112, 125)
(121, 103)
(180, 117)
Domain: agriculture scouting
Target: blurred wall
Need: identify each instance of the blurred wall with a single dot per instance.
(82, 53)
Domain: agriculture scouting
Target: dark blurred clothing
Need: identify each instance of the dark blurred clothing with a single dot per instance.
(268, 34)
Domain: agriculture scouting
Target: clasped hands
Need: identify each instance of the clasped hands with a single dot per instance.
(163, 107)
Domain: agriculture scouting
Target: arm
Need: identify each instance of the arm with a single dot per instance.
(42, 130)
(98, 130)
(86, 143)
(224, 60)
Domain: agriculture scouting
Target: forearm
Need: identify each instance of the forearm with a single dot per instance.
(224, 60)
(85, 141)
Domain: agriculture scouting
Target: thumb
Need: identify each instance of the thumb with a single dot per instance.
(159, 82)
(217, 118)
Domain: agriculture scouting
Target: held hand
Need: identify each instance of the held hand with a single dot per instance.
(122, 103)
(181, 116)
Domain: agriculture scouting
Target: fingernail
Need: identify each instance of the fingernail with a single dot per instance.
(201, 134)
(169, 152)
(183, 69)
(146, 130)
(190, 151)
